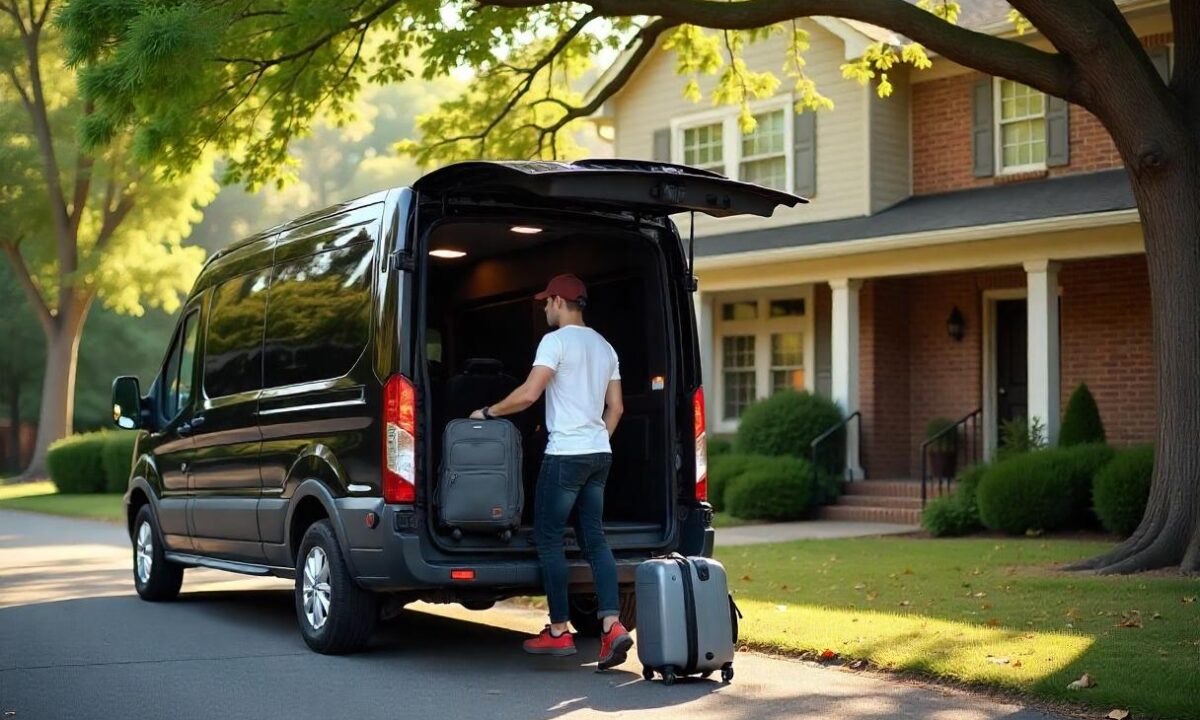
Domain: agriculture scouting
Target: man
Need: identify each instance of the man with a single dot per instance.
(579, 372)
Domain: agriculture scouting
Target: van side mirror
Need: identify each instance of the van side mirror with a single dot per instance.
(127, 402)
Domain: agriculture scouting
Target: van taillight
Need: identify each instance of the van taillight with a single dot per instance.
(399, 440)
(701, 445)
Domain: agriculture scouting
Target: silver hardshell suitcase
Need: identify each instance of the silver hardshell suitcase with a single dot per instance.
(686, 618)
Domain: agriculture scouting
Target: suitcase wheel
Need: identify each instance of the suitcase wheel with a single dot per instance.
(647, 673)
(669, 676)
(727, 673)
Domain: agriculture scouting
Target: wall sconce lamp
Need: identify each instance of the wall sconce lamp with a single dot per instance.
(956, 326)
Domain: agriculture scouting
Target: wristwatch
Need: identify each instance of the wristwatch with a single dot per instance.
(487, 413)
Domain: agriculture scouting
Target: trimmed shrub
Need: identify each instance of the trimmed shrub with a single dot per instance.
(776, 488)
(1043, 490)
(75, 463)
(1122, 487)
(1081, 422)
(724, 470)
(786, 423)
(956, 514)
(116, 457)
(718, 446)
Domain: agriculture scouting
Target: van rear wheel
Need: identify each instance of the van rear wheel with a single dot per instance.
(336, 616)
(583, 608)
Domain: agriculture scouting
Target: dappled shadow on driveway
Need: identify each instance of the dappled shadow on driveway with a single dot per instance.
(239, 654)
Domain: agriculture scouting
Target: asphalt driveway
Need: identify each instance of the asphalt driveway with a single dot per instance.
(76, 642)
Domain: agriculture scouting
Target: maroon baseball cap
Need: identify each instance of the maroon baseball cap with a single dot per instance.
(568, 287)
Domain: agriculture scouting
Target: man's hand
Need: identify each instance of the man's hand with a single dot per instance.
(478, 415)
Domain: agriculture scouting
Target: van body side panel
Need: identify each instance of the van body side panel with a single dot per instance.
(318, 409)
(224, 472)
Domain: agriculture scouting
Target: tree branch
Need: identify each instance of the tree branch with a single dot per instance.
(32, 293)
(83, 179)
(113, 217)
(1007, 58)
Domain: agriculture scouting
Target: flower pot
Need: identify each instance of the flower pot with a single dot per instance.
(943, 463)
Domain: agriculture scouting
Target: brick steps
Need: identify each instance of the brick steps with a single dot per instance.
(885, 501)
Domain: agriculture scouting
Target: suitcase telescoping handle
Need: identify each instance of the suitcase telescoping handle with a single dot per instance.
(702, 571)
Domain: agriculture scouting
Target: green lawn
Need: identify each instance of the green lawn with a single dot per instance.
(42, 497)
(981, 611)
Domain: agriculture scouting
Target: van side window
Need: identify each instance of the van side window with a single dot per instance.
(233, 343)
(318, 319)
(177, 375)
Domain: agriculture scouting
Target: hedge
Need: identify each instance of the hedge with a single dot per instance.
(771, 488)
(786, 423)
(723, 471)
(75, 463)
(1122, 487)
(1081, 422)
(1046, 489)
(91, 462)
(116, 457)
(956, 514)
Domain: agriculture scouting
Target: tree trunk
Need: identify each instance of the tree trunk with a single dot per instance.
(14, 419)
(1170, 531)
(57, 417)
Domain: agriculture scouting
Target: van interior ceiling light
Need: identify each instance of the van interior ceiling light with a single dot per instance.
(525, 229)
(448, 254)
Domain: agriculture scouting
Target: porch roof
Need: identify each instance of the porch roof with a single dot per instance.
(1079, 194)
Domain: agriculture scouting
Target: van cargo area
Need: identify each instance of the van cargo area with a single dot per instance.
(484, 327)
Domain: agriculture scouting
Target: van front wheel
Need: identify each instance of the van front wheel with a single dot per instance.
(336, 616)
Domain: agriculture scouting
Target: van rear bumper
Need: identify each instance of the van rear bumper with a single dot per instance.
(401, 566)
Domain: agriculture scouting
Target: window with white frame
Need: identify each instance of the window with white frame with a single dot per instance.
(704, 146)
(1021, 126)
(715, 141)
(764, 344)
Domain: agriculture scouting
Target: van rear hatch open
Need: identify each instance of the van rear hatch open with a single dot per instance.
(632, 185)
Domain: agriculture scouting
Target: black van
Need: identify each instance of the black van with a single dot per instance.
(295, 427)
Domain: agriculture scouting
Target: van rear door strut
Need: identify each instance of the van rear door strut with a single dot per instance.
(692, 283)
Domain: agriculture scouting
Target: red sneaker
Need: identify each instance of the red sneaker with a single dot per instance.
(614, 646)
(547, 644)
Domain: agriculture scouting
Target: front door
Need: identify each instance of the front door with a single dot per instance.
(1012, 382)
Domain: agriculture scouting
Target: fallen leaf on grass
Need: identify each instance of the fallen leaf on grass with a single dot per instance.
(746, 578)
(858, 664)
(905, 603)
(1189, 600)
(1119, 715)
(1156, 616)
(781, 608)
(979, 594)
(828, 654)
(997, 660)
(1017, 664)
(985, 606)
(1084, 682)
(860, 586)
(993, 622)
(1131, 622)
(872, 595)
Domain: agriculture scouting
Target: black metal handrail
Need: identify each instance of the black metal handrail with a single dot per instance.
(970, 431)
(823, 437)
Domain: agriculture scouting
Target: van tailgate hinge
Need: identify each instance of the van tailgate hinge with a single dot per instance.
(403, 260)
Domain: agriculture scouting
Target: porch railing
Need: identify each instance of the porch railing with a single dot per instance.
(825, 440)
(966, 439)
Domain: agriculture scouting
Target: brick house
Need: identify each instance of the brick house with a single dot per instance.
(971, 245)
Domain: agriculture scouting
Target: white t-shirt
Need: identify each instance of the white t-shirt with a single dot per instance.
(583, 363)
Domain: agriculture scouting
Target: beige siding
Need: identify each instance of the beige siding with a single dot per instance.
(655, 96)
(891, 176)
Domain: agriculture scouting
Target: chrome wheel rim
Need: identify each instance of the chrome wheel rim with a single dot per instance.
(144, 552)
(315, 588)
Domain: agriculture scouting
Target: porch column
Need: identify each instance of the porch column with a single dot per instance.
(844, 346)
(703, 303)
(1044, 382)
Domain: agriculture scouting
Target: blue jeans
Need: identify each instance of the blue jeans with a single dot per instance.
(567, 481)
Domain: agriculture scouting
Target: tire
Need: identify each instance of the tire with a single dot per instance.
(155, 578)
(583, 613)
(339, 616)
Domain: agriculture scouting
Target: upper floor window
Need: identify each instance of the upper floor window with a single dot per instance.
(1021, 126)
(715, 141)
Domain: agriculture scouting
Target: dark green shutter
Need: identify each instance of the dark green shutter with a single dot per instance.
(1058, 132)
(1161, 57)
(983, 131)
(662, 145)
(804, 148)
